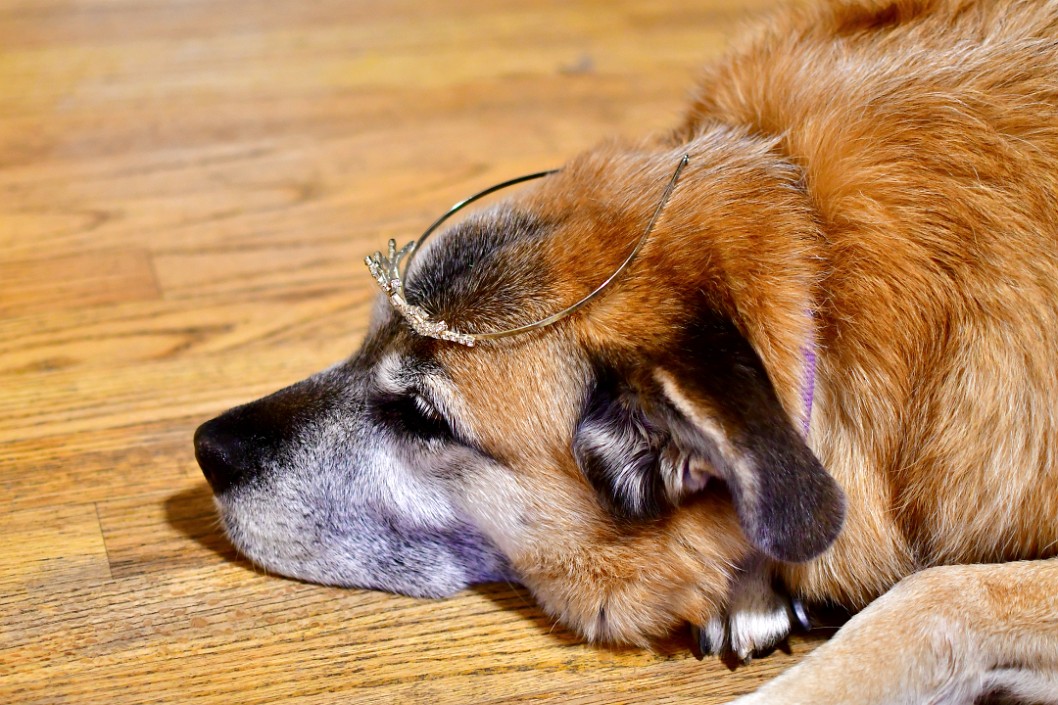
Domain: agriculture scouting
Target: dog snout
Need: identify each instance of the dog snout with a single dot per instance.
(226, 458)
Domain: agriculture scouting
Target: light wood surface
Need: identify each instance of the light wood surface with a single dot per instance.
(187, 190)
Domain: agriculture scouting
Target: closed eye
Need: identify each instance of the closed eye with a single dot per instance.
(413, 415)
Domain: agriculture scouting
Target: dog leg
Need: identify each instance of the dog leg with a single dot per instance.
(945, 635)
(758, 617)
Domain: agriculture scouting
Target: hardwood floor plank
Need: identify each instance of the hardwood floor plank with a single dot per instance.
(91, 340)
(84, 279)
(96, 465)
(58, 545)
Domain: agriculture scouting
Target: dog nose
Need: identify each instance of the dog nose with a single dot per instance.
(223, 454)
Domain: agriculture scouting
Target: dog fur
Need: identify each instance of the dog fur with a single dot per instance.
(870, 209)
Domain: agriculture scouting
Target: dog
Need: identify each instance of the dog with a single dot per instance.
(817, 362)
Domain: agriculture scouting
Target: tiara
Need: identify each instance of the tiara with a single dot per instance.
(386, 269)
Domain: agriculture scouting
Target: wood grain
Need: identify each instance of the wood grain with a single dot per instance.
(186, 191)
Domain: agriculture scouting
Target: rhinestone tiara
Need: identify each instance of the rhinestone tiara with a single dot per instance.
(386, 269)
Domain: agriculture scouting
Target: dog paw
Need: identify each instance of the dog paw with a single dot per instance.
(758, 619)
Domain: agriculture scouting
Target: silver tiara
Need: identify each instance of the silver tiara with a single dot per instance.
(386, 270)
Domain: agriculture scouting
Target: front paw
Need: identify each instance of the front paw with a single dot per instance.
(758, 619)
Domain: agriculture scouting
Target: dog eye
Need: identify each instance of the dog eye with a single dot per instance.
(427, 409)
(413, 415)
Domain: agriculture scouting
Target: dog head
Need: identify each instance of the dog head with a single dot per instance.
(621, 462)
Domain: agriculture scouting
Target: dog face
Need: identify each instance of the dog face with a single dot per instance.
(620, 463)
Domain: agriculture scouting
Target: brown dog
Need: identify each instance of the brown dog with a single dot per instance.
(833, 364)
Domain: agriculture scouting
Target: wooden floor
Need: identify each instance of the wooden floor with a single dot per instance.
(187, 190)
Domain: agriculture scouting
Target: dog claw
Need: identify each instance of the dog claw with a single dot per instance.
(697, 645)
(797, 607)
(705, 639)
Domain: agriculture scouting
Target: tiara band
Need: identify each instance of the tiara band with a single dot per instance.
(386, 269)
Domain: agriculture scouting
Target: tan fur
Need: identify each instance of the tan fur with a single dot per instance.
(947, 634)
(879, 179)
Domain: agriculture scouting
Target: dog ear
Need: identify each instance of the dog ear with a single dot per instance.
(729, 413)
(708, 408)
(618, 448)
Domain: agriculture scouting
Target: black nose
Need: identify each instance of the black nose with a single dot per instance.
(226, 457)
(254, 439)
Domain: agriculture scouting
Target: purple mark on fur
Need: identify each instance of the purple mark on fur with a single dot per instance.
(479, 561)
(808, 392)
